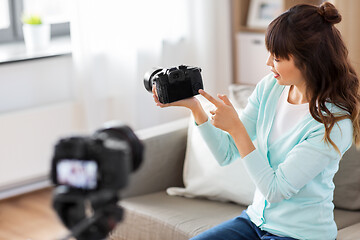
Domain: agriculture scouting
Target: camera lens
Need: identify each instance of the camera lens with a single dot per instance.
(119, 131)
(148, 78)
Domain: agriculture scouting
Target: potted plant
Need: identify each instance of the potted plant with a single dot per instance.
(36, 33)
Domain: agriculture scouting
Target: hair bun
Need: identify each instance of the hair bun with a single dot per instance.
(329, 12)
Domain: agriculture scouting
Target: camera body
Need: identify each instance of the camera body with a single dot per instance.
(175, 83)
(88, 172)
(102, 161)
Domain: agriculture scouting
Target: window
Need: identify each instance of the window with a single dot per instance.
(5, 23)
(54, 12)
(4, 14)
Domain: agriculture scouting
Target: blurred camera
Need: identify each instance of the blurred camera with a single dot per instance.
(88, 172)
(175, 83)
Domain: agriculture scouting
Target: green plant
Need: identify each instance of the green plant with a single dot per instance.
(32, 19)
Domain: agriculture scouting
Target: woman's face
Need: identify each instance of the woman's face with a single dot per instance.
(285, 71)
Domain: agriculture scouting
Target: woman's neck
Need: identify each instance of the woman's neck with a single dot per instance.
(297, 94)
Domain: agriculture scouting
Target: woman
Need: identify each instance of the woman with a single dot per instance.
(304, 116)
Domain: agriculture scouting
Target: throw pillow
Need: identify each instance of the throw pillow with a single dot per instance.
(204, 177)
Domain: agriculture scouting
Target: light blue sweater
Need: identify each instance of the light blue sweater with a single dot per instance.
(294, 174)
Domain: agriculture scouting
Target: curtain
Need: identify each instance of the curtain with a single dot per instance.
(115, 42)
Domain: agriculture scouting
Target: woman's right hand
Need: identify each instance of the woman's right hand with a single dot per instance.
(191, 103)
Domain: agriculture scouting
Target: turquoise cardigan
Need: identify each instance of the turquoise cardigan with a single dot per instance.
(293, 175)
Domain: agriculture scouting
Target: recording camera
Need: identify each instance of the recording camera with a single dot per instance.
(88, 172)
(175, 83)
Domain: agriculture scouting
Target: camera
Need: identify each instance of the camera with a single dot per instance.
(88, 172)
(175, 83)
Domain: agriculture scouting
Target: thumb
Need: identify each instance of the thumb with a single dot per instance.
(225, 99)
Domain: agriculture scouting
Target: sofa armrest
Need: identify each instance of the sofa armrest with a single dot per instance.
(163, 160)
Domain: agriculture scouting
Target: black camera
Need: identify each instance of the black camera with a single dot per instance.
(175, 83)
(89, 171)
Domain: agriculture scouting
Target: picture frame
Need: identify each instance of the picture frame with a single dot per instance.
(262, 12)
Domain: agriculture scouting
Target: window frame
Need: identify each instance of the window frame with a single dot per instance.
(14, 32)
(6, 34)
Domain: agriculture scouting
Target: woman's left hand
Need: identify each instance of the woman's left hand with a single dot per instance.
(224, 116)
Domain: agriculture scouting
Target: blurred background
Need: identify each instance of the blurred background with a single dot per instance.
(92, 71)
(91, 68)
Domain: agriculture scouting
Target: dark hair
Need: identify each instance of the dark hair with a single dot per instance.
(307, 34)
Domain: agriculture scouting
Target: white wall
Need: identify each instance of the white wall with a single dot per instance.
(37, 108)
(27, 139)
(34, 83)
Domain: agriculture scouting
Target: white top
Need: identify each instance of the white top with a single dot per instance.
(287, 115)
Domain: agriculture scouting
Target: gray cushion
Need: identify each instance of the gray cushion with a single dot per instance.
(347, 181)
(163, 159)
(158, 216)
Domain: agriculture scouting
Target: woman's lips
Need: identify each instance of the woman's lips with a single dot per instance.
(276, 75)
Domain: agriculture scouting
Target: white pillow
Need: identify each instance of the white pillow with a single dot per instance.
(204, 177)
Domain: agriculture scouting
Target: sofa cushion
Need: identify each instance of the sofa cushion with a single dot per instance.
(163, 159)
(347, 181)
(159, 216)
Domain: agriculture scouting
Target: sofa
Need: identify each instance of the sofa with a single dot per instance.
(150, 213)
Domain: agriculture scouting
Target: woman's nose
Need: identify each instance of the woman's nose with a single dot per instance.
(269, 61)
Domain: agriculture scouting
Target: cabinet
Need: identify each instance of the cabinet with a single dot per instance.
(249, 57)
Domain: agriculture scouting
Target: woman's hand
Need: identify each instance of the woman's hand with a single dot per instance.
(191, 103)
(225, 116)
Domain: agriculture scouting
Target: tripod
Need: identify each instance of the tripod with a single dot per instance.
(88, 217)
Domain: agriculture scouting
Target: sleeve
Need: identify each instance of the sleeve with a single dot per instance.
(221, 143)
(303, 163)
(249, 115)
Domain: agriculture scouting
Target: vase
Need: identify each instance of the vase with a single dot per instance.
(37, 37)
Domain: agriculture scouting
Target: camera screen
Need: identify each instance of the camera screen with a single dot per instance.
(77, 173)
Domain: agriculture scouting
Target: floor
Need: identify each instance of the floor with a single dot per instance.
(30, 217)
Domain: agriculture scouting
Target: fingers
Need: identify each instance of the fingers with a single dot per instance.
(214, 101)
(159, 104)
(156, 99)
(154, 89)
(225, 99)
(209, 97)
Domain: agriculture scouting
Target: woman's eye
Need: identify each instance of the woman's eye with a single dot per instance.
(276, 60)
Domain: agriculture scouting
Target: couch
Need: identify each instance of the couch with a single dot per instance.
(151, 214)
